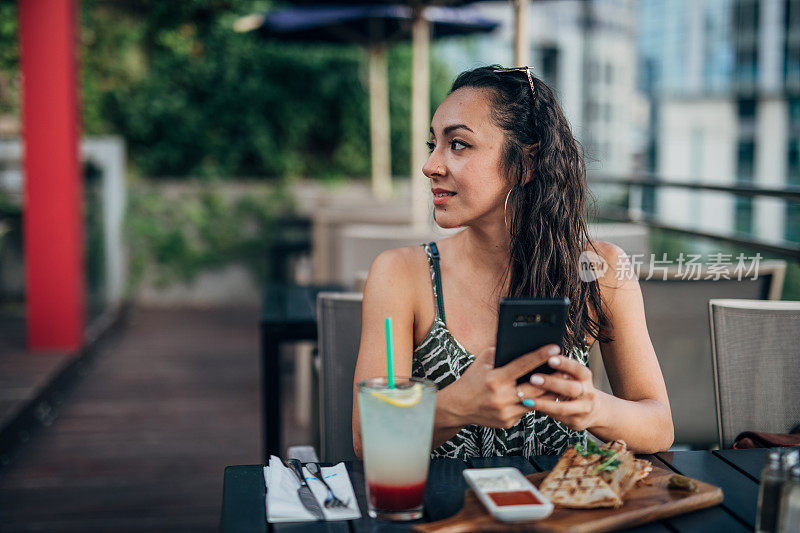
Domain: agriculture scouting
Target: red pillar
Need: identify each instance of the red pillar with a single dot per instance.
(53, 213)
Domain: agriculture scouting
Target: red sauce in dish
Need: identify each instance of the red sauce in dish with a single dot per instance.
(514, 497)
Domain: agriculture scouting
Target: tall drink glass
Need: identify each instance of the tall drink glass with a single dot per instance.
(396, 433)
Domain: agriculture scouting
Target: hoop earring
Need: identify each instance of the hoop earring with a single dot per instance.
(505, 209)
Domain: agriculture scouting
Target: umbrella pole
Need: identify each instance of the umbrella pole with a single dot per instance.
(420, 124)
(379, 122)
(521, 39)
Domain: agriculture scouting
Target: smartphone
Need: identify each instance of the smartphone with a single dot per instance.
(526, 324)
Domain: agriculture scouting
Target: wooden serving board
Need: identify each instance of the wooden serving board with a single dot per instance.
(650, 500)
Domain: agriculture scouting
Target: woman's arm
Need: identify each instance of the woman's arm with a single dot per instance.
(638, 412)
(387, 293)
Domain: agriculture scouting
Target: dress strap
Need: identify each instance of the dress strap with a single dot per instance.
(436, 274)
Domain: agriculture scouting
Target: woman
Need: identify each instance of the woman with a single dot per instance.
(505, 166)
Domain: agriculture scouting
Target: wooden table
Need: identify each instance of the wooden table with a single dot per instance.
(737, 472)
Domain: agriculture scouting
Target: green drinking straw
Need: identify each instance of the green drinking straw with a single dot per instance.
(389, 354)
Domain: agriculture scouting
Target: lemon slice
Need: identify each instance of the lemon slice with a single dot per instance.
(401, 397)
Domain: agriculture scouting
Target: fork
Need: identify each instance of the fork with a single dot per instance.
(331, 502)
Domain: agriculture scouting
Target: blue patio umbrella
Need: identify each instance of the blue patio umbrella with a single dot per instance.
(374, 26)
(365, 23)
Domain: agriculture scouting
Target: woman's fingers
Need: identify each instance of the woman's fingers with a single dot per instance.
(562, 410)
(525, 363)
(563, 387)
(529, 391)
(544, 391)
(549, 396)
(569, 366)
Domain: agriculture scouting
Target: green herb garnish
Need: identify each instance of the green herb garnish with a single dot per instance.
(590, 449)
(608, 457)
(609, 465)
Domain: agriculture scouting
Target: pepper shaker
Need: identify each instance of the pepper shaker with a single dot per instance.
(789, 460)
(789, 511)
(769, 493)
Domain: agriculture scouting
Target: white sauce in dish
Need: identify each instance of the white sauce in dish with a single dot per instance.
(503, 482)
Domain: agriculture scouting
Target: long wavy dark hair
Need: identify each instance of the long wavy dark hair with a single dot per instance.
(546, 207)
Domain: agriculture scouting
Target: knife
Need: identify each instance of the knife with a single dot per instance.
(306, 496)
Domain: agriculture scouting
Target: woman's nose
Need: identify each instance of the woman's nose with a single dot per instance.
(432, 167)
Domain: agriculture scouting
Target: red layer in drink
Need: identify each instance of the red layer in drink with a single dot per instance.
(396, 497)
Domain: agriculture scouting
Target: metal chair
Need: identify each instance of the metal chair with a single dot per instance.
(756, 363)
(339, 335)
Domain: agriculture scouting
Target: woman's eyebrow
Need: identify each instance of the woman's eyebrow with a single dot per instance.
(448, 129)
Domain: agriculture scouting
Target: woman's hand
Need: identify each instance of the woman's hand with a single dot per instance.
(490, 396)
(568, 395)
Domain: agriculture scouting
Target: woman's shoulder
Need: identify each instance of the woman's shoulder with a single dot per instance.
(399, 261)
(609, 252)
(615, 273)
(398, 268)
(609, 260)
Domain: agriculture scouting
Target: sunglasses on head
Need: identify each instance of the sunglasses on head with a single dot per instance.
(527, 71)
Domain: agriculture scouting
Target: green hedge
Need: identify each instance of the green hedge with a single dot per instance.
(173, 237)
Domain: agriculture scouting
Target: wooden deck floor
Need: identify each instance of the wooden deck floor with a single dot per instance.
(141, 442)
(22, 375)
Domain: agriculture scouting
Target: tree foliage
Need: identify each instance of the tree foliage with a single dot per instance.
(9, 59)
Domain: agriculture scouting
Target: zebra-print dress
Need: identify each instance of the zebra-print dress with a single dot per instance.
(442, 359)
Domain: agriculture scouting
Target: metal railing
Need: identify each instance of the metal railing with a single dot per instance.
(788, 193)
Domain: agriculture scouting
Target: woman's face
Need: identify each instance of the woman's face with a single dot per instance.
(464, 165)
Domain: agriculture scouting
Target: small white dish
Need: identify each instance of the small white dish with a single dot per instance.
(504, 491)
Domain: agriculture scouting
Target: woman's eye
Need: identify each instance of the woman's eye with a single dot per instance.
(455, 142)
(431, 146)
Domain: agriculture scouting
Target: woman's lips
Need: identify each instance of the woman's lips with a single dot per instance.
(441, 197)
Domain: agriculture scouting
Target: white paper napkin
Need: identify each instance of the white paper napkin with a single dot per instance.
(283, 503)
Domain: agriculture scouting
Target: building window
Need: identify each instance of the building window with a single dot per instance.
(793, 161)
(792, 227)
(649, 75)
(794, 113)
(743, 215)
(717, 48)
(649, 199)
(746, 114)
(549, 62)
(791, 61)
(746, 66)
(743, 208)
(746, 21)
(792, 232)
(793, 145)
(746, 15)
(745, 158)
(746, 109)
